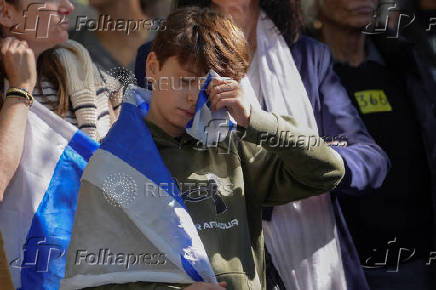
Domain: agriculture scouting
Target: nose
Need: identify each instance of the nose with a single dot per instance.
(66, 7)
(191, 98)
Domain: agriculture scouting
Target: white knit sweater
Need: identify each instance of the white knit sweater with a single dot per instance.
(94, 95)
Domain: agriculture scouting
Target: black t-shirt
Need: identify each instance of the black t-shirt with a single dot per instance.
(401, 208)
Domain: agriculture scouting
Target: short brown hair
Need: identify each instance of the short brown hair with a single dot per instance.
(206, 39)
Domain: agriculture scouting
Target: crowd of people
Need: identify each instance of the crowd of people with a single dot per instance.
(354, 210)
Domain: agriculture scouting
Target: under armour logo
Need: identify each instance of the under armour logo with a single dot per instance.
(213, 189)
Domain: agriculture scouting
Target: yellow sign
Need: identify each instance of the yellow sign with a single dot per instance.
(373, 101)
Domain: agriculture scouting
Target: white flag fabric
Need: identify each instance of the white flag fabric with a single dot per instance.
(37, 214)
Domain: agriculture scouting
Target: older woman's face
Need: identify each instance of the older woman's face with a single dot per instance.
(347, 13)
(227, 5)
(42, 24)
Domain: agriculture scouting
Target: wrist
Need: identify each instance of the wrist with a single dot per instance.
(21, 94)
(26, 86)
(246, 122)
(15, 102)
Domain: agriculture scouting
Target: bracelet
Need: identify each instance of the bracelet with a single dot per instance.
(21, 93)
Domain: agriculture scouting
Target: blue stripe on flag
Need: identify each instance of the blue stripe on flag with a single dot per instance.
(190, 270)
(44, 258)
(83, 145)
(231, 125)
(202, 100)
(141, 151)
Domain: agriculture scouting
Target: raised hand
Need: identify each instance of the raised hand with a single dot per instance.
(225, 92)
(19, 63)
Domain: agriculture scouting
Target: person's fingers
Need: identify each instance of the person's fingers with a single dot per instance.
(5, 44)
(218, 81)
(223, 284)
(225, 87)
(220, 286)
(211, 84)
(14, 44)
(11, 44)
(22, 44)
(30, 55)
(214, 100)
(228, 103)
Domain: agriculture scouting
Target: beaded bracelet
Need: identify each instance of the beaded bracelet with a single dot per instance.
(20, 93)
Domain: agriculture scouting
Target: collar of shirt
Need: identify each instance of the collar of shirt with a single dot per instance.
(372, 54)
(161, 137)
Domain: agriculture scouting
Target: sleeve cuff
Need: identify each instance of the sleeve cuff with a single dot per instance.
(262, 124)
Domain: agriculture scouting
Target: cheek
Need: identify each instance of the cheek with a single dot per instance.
(329, 9)
(168, 104)
(336, 12)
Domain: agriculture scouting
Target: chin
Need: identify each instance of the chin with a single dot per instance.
(61, 37)
(359, 22)
(178, 122)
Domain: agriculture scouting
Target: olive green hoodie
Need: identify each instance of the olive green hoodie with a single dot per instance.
(225, 187)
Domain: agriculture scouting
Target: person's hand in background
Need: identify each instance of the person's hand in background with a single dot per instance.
(19, 63)
(20, 67)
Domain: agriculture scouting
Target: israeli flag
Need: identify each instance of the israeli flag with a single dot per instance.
(209, 127)
(37, 214)
(131, 223)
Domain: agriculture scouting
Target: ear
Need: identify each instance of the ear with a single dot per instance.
(152, 67)
(8, 13)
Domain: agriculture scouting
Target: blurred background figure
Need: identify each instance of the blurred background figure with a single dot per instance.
(393, 90)
(423, 30)
(103, 32)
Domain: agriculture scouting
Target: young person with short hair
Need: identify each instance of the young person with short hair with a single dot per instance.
(258, 173)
